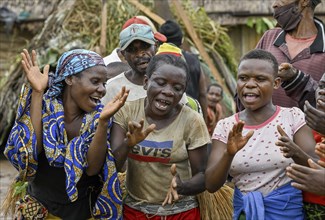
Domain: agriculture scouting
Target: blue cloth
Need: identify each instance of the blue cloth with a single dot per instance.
(283, 203)
(21, 150)
(71, 63)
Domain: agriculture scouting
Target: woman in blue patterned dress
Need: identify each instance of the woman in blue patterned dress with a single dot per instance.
(60, 140)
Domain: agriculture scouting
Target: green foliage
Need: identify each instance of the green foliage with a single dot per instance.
(260, 24)
(85, 21)
(20, 188)
(82, 28)
(213, 35)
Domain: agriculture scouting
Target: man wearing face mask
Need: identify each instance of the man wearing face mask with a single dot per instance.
(299, 46)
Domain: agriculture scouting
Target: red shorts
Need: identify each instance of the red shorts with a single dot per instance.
(133, 214)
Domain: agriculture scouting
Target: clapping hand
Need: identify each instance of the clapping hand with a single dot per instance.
(310, 179)
(315, 118)
(136, 133)
(287, 71)
(172, 194)
(236, 140)
(114, 105)
(37, 80)
(287, 147)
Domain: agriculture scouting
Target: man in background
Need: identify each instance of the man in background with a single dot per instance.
(197, 85)
(299, 47)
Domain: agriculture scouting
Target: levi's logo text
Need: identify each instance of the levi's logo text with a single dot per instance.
(152, 151)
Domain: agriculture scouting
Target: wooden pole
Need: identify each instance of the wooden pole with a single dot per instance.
(103, 34)
(159, 20)
(197, 41)
(190, 29)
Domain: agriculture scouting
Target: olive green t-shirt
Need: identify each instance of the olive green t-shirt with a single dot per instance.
(149, 162)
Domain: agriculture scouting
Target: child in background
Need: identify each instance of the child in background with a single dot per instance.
(214, 110)
(243, 146)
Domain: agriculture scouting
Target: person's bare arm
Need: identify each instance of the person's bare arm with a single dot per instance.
(193, 186)
(222, 155)
(122, 141)
(38, 82)
(98, 147)
(218, 166)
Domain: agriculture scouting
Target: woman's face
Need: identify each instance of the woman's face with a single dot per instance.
(214, 96)
(88, 87)
(255, 83)
(165, 88)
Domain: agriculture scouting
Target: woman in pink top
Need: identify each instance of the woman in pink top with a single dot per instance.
(244, 145)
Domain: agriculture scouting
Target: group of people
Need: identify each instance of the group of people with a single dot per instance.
(132, 112)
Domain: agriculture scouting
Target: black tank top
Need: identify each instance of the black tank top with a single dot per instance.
(48, 187)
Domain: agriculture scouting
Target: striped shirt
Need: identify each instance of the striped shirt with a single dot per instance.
(310, 62)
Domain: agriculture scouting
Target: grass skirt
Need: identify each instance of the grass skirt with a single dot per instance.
(218, 205)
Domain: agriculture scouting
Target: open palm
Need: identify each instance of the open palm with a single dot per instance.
(37, 80)
(113, 106)
(236, 140)
(137, 133)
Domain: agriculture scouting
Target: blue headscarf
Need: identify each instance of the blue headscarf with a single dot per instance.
(71, 63)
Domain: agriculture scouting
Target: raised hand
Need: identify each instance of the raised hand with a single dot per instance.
(310, 179)
(236, 140)
(315, 118)
(287, 147)
(114, 105)
(287, 71)
(37, 80)
(136, 133)
(172, 195)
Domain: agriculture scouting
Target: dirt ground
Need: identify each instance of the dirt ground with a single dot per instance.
(7, 173)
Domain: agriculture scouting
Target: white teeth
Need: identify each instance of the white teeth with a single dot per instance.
(164, 101)
(250, 95)
(162, 104)
(95, 99)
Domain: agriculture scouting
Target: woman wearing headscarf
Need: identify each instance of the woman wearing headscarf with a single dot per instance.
(60, 140)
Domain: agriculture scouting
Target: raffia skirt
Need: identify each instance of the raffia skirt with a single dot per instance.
(218, 205)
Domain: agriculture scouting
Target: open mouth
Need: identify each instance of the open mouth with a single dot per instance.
(95, 100)
(162, 104)
(249, 97)
(213, 101)
(143, 63)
